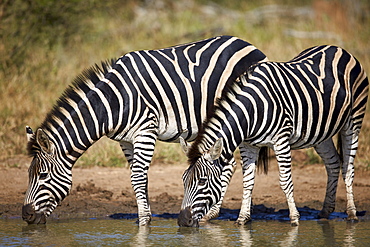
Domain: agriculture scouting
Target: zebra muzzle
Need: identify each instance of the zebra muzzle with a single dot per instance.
(31, 217)
(186, 218)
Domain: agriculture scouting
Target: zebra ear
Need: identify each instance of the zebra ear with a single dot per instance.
(43, 141)
(184, 145)
(215, 151)
(29, 133)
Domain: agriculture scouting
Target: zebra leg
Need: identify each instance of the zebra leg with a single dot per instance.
(249, 156)
(349, 148)
(227, 173)
(128, 151)
(329, 155)
(284, 159)
(139, 156)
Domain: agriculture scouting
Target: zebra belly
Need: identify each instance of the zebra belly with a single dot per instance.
(306, 141)
(303, 138)
(174, 135)
(171, 132)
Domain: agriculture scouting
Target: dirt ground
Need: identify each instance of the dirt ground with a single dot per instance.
(100, 191)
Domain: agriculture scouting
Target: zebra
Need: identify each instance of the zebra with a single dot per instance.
(297, 104)
(142, 97)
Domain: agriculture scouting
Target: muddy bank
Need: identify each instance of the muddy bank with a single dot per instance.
(101, 192)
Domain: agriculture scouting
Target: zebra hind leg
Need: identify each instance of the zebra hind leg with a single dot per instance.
(284, 159)
(329, 155)
(349, 145)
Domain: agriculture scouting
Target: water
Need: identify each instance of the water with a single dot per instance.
(165, 232)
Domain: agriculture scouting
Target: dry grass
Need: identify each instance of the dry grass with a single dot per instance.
(27, 94)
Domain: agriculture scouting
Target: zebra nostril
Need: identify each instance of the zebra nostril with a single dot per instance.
(190, 223)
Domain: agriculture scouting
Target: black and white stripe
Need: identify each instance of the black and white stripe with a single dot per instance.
(293, 105)
(143, 96)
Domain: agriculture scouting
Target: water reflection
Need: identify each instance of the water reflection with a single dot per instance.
(31, 230)
(217, 234)
(222, 233)
(291, 238)
(328, 233)
(35, 234)
(245, 235)
(45, 235)
(190, 236)
(141, 237)
(249, 236)
(331, 234)
(350, 231)
(166, 232)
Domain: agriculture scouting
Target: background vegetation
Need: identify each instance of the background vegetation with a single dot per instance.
(45, 44)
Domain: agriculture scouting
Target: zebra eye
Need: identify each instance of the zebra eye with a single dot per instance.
(202, 181)
(43, 175)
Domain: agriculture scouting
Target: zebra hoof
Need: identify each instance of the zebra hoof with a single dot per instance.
(323, 214)
(242, 222)
(210, 215)
(144, 221)
(352, 218)
(294, 222)
(204, 220)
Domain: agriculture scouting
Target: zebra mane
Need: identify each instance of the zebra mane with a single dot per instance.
(194, 154)
(94, 74)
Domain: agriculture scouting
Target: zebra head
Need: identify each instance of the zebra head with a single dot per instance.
(202, 184)
(49, 183)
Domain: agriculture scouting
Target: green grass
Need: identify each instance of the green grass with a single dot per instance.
(313, 157)
(108, 153)
(103, 153)
(37, 64)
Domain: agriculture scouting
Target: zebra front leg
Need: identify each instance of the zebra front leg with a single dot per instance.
(227, 173)
(213, 212)
(139, 156)
(139, 182)
(128, 151)
(138, 178)
(249, 156)
(349, 148)
(284, 159)
(329, 155)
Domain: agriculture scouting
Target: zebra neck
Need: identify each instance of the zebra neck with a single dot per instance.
(74, 125)
(89, 109)
(228, 123)
(67, 147)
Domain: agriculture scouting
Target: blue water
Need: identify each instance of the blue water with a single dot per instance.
(165, 232)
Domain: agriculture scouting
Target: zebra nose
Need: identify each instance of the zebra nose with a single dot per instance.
(28, 213)
(31, 217)
(186, 218)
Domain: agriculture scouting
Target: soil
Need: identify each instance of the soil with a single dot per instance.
(102, 191)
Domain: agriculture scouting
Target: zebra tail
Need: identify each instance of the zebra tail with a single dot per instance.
(360, 97)
(263, 160)
(360, 93)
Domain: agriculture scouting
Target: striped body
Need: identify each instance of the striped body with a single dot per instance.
(298, 104)
(143, 96)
